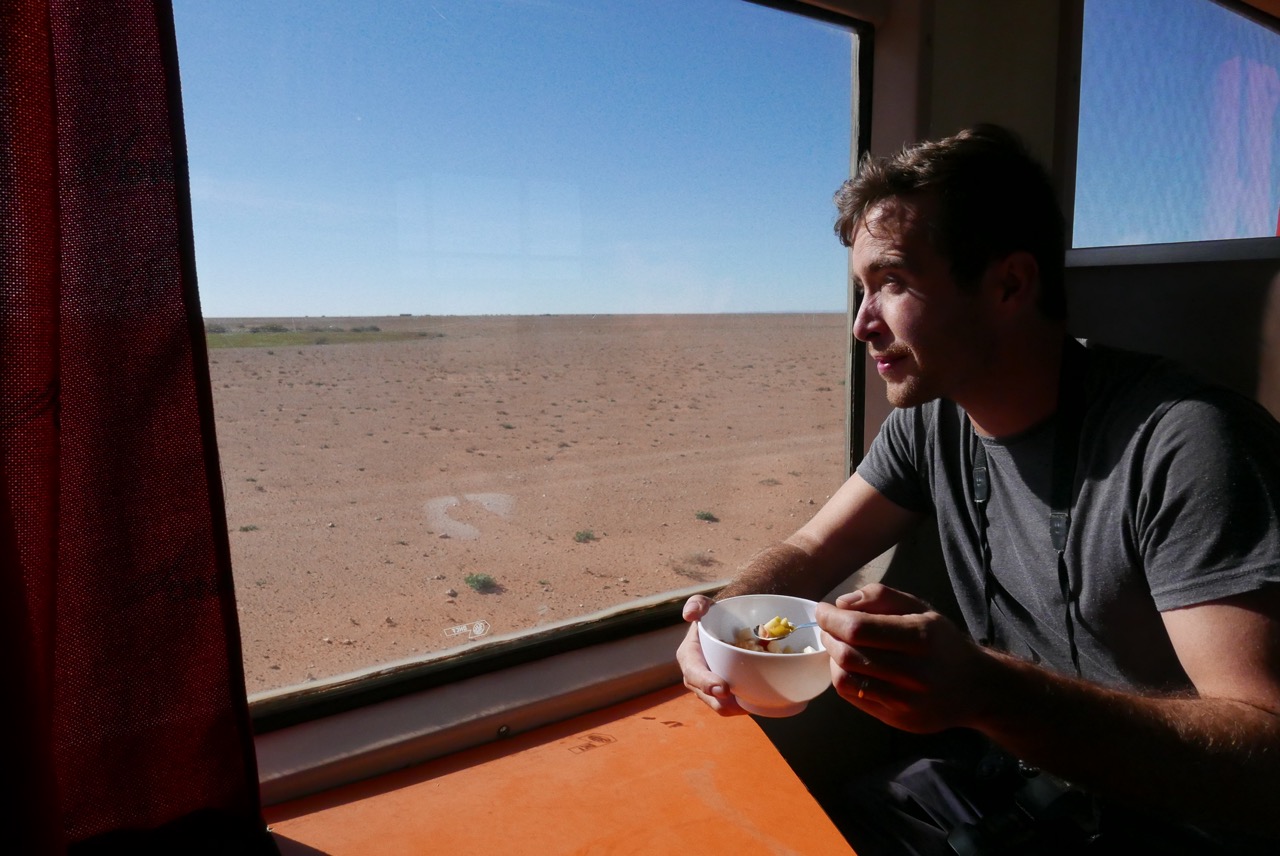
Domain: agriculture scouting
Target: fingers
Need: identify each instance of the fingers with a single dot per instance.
(700, 680)
(721, 700)
(696, 607)
(882, 600)
(877, 616)
(892, 631)
(888, 667)
(881, 635)
(862, 690)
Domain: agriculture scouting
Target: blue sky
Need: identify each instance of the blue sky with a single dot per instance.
(513, 156)
(617, 156)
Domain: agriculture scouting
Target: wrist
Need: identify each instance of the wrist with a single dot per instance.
(995, 682)
(780, 568)
(1021, 704)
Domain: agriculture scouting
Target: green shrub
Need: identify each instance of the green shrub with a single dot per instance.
(707, 516)
(480, 582)
(584, 536)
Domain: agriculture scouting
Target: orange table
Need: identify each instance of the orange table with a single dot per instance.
(660, 774)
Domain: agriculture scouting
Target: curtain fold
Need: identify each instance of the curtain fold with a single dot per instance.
(117, 599)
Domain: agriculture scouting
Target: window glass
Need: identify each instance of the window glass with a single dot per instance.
(517, 311)
(1178, 134)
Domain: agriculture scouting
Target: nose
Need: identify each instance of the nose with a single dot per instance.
(866, 323)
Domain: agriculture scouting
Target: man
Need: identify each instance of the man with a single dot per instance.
(1111, 528)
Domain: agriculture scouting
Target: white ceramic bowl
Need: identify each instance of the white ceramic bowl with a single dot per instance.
(765, 684)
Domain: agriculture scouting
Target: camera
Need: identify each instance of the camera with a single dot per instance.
(1043, 808)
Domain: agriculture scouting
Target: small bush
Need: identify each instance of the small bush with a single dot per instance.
(695, 566)
(585, 536)
(249, 528)
(707, 516)
(480, 582)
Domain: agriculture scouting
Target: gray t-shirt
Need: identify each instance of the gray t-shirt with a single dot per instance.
(1178, 503)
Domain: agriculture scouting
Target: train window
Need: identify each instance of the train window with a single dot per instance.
(517, 312)
(1178, 124)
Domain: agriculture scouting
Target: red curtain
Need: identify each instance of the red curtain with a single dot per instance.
(130, 730)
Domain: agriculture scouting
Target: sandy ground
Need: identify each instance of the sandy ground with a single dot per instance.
(365, 482)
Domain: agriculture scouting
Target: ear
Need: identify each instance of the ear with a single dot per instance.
(1014, 280)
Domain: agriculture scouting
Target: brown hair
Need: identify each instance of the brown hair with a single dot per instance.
(994, 199)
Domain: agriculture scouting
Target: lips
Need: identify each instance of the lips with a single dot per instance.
(887, 360)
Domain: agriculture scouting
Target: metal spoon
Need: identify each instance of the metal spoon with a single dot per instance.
(758, 631)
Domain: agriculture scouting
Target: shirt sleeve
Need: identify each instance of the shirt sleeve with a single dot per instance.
(1208, 521)
(894, 465)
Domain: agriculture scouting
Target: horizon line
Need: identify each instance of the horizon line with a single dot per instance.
(529, 314)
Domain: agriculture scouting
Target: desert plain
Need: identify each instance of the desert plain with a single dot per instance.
(444, 480)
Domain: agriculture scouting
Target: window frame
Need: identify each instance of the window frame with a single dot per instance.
(1072, 45)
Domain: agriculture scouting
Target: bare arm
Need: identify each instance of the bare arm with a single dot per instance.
(852, 528)
(857, 524)
(1212, 756)
(1215, 755)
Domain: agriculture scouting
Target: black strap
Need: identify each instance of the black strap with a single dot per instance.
(1066, 450)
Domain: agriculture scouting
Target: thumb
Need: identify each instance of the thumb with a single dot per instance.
(696, 607)
(882, 600)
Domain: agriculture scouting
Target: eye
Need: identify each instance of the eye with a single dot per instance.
(892, 283)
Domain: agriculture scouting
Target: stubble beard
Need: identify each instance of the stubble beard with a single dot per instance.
(913, 390)
(907, 393)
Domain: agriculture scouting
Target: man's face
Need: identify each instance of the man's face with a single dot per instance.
(926, 335)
